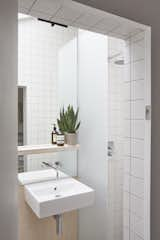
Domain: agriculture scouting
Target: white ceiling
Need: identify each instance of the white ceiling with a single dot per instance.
(78, 15)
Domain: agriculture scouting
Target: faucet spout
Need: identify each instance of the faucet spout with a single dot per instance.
(56, 167)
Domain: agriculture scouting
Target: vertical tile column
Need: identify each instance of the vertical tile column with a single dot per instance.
(134, 117)
(137, 137)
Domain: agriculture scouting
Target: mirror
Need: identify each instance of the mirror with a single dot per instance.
(47, 81)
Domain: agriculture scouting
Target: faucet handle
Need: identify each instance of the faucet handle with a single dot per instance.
(58, 164)
(45, 164)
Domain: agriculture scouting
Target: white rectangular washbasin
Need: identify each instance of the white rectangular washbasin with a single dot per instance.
(58, 196)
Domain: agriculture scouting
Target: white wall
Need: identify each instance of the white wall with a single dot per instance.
(114, 223)
(8, 120)
(67, 92)
(92, 160)
(67, 74)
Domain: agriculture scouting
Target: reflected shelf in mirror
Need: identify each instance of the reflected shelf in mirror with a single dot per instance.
(44, 148)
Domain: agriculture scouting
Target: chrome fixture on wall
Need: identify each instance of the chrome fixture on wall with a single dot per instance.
(110, 148)
(56, 167)
(119, 62)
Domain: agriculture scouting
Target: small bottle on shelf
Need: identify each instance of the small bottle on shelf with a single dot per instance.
(54, 134)
(60, 139)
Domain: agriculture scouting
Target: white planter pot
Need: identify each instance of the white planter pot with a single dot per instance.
(71, 138)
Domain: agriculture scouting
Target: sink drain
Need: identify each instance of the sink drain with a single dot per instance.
(56, 193)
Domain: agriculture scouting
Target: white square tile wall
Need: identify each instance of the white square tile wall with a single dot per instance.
(126, 122)
(134, 83)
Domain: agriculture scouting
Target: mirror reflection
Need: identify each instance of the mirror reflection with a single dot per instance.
(47, 82)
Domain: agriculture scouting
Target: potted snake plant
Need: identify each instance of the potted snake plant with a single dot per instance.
(68, 124)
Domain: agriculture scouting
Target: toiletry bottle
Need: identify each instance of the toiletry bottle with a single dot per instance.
(60, 139)
(54, 134)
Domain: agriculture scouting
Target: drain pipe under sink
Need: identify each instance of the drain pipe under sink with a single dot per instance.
(59, 227)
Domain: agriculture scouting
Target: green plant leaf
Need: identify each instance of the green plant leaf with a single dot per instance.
(67, 121)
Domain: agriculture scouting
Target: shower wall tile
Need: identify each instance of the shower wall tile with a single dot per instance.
(138, 37)
(137, 90)
(137, 49)
(127, 110)
(127, 147)
(126, 201)
(126, 217)
(137, 109)
(138, 70)
(126, 164)
(137, 148)
(127, 52)
(128, 121)
(127, 128)
(126, 91)
(137, 187)
(134, 120)
(127, 73)
(137, 206)
(137, 226)
(126, 182)
(138, 237)
(137, 129)
(139, 229)
(137, 168)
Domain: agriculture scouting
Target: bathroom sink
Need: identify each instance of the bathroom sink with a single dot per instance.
(58, 196)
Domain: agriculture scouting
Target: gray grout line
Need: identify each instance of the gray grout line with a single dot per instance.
(81, 15)
(138, 79)
(139, 139)
(134, 195)
(133, 176)
(32, 6)
(56, 12)
(133, 119)
(138, 40)
(137, 158)
(130, 158)
(133, 35)
(133, 100)
(140, 178)
(134, 61)
(133, 80)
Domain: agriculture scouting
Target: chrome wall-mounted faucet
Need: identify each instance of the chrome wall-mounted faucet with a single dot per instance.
(110, 148)
(56, 167)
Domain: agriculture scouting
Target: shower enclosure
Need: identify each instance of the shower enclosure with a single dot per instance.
(113, 158)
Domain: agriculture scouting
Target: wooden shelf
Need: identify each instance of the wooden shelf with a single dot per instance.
(44, 148)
